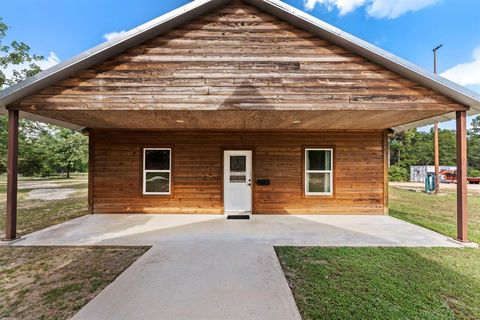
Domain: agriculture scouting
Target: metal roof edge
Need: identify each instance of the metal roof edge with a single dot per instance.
(106, 50)
(390, 61)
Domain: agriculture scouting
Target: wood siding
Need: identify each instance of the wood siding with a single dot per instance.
(237, 59)
(197, 171)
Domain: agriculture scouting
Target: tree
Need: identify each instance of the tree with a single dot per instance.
(413, 147)
(70, 151)
(474, 146)
(43, 149)
(3, 144)
(16, 54)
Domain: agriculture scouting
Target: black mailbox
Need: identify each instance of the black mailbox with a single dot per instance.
(263, 182)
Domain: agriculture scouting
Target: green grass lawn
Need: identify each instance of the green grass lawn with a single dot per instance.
(384, 283)
(437, 213)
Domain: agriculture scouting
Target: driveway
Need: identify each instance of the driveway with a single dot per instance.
(207, 267)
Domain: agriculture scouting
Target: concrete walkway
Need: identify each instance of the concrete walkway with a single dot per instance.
(207, 267)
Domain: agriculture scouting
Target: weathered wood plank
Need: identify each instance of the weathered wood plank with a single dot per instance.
(237, 59)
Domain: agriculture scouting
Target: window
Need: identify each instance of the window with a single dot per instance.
(157, 171)
(238, 169)
(318, 172)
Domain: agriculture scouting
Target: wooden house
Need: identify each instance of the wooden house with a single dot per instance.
(238, 107)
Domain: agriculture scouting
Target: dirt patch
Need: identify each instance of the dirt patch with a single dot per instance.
(34, 214)
(50, 194)
(54, 283)
(36, 185)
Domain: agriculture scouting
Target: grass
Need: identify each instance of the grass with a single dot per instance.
(35, 215)
(437, 213)
(384, 283)
(54, 283)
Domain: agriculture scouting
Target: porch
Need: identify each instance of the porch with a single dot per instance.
(203, 266)
(274, 230)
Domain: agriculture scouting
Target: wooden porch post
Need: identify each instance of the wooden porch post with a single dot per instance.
(462, 224)
(12, 158)
(91, 170)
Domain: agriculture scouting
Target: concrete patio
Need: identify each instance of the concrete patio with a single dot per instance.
(207, 267)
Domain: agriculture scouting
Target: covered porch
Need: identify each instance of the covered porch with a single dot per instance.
(462, 225)
(272, 230)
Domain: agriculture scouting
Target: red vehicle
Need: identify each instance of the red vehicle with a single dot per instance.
(472, 180)
(451, 176)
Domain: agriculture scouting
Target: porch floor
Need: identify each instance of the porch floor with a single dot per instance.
(207, 267)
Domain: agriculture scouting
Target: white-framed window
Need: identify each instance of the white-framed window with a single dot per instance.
(318, 172)
(157, 170)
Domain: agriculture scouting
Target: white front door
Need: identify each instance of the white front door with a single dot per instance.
(237, 187)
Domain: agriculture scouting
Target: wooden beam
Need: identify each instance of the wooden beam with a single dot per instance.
(91, 168)
(386, 166)
(462, 222)
(12, 158)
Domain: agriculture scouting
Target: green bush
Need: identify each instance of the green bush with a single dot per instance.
(473, 172)
(398, 173)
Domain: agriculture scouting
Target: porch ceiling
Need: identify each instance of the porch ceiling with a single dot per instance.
(239, 119)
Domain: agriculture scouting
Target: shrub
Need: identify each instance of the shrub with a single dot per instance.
(473, 172)
(398, 173)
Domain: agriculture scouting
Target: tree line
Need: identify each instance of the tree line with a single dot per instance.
(43, 149)
(413, 147)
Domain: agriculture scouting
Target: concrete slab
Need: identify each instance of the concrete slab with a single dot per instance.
(221, 280)
(296, 230)
(207, 267)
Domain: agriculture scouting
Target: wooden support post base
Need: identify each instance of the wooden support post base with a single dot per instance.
(12, 159)
(462, 221)
(10, 240)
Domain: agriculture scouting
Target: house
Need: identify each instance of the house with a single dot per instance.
(238, 107)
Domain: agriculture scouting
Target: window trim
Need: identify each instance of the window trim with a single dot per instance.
(145, 171)
(306, 172)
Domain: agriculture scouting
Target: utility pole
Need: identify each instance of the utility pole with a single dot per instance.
(435, 133)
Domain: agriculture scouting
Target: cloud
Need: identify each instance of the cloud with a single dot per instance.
(392, 9)
(48, 62)
(466, 74)
(112, 35)
(379, 9)
(343, 6)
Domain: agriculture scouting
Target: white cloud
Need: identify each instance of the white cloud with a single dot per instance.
(380, 9)
(48, 62)
(344, 6)
(112, 35)
(466, 74)
(392, 9)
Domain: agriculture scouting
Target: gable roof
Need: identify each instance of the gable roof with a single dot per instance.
(277, 8)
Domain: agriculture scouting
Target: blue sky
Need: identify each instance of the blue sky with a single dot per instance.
(407, 28)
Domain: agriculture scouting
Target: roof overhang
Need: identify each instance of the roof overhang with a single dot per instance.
(101, 53)
(277, 8)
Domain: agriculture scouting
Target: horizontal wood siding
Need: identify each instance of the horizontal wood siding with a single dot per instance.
(237, 58)
(198, 170)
